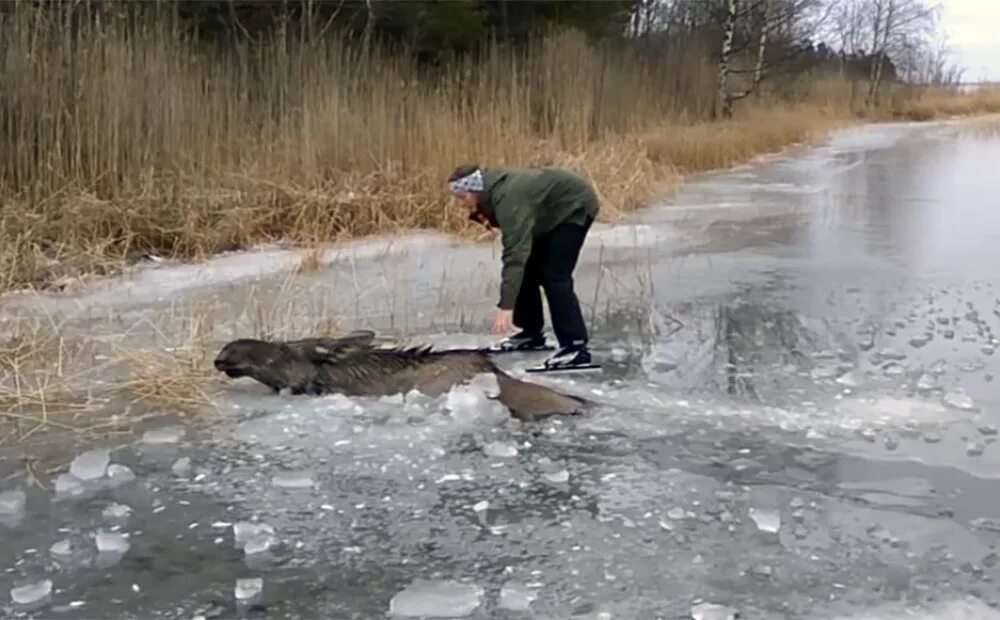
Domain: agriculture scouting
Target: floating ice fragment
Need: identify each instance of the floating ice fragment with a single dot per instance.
(68, 485)
(762, 570)
(926, 383)
(712, 611)
(515, 596)
(892, 354)
(462, 400)
(165, 435)
(12, 502)
(481, 506)
(988, 429)
(974, 448)
(892, 369)
(932, 437)
(249, 589)
(500, 449)
(182, 466)
(958, 399)
(61, 548)
(111, 542)
(676, 513)
(767, 520)
(90, 465)
(116, 511)
(436, 598)
(394, 399)
(120, 473)
(292, 480)
(31, 593)
(245, 530)
(986, 523)
(254, 538)
(557, 477)
(260, 544)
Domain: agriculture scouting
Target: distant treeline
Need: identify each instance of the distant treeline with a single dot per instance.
(436, 31)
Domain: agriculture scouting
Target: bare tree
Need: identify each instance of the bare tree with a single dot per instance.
(760, 22)
(724, 101)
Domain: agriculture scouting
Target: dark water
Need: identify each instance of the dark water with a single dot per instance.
(780, 432)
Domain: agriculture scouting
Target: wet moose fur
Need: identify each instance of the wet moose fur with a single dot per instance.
(352, 366)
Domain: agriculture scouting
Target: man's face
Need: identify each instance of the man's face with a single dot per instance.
(469, 200)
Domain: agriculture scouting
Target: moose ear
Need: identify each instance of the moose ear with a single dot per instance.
(357, 338)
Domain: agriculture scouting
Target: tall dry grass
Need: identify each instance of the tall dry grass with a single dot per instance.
(121, 136)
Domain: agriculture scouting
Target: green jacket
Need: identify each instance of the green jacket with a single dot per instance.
(527, 203)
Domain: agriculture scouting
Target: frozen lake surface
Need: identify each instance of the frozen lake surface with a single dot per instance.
(798, 419)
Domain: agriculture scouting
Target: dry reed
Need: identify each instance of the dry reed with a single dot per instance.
(121, 137)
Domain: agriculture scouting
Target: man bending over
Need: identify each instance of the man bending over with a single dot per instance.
(544, 216)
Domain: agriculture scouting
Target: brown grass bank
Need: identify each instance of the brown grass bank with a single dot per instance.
(123, 137)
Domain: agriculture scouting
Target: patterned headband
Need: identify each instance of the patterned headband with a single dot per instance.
(472, 182)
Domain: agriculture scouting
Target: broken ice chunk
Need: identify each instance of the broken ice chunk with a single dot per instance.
(259, 544)
(557, 477)
(711, 611)
(958, 399)
(111, 542)
(249, 590)
(986, 523)
(116, 512)
(254, 538)
(292, 480)
(68, 485)
(463, 401)
(245, 530)
(90, 465)
(165, 435)
(12, 502)
(61, 548)
(974, 448)
(436, 598)
(892, 354)
(848, 379)
(768, 521)
(120, 473)
(32, 593)
(516, 596)
(182, 466)
(926, 383)
(500, 449)
(892, 369)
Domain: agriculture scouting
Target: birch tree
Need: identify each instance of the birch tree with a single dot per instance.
(760, 22)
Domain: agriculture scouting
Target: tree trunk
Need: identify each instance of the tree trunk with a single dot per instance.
(765, 27)
(369, 26)
(879, 62)
(724, 102)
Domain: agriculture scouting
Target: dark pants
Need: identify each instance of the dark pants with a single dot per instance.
(550, 266)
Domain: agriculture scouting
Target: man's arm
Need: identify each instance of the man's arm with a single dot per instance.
(516, 216)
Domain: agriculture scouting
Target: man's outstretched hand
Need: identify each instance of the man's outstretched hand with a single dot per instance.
(502, 322)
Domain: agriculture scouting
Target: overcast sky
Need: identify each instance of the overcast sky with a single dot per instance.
(973, 28)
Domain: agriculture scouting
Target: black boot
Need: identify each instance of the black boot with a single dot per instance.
(569, 357)
(523, 341)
